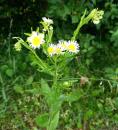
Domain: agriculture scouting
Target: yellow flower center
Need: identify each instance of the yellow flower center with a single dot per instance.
(50, 50)
(36, 41)
(58, 50)
(72, 47)
(63, 45)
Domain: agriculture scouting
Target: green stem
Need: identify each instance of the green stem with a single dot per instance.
(55, 75)
(81, 23)
(54, 114)
(40, 62)
(77, 31)
(84, 20)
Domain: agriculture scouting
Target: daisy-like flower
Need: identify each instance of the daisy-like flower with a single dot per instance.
(47, 21)
(54, 50)
(97, 15)
(58, 49)
(36, 39)
(51, 49)
(63, 45)
(72, 46)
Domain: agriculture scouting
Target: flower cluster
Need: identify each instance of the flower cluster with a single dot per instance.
(97, 15)
(36, 39)
(62, 47)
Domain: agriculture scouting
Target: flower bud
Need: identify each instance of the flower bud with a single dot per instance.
(96, 15)
(17, 46)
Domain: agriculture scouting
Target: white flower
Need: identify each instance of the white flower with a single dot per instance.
(47, 21)
(51, 49)
(54, 50)
(58, 49)
(63, 45)
(36, 39)
(72, 46)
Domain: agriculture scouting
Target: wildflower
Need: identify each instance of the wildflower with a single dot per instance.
(72, 46)
(17, 46)
(58, 50)
(54, 50)
(51, 49)
(47, 20)
(63, 45)
(36, 39)
(97, 15)
(47, 24)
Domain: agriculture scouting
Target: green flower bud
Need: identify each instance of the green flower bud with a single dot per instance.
(46, 23)
(17, 46)
(96, 15)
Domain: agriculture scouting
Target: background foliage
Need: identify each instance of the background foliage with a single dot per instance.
(20, 100)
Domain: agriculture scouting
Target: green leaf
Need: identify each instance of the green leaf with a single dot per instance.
(18, 89)
(96, 93)
(74, 19)
(9, 72)
(33, 91)
(29, 80)
(42, 66)
(35, 128)
(45, 89)
(42, 120)
(79, 121)
(116, 102)
(89, 114)
(4, 67)
(74, 96)
(27, 34)
(54, 122)
(55, 102)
